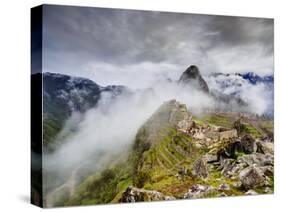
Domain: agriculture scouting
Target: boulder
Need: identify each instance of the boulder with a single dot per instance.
(133, 194)
(185, 124)
(230, 150)
(265, 147)
(224, 187)
(210, 158)
(251, 192)
(248, 144)
(252, 177)
(199, 191)
(200, 168)
(257, 159)
(268, 170)
(228, 134)
(230, 168)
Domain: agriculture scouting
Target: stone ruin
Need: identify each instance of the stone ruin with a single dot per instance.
(228, 134)
(205, 131)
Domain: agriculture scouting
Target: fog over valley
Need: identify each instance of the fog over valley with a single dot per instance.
(146, 105)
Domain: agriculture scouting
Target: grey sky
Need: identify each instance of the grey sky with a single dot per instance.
(133, 47)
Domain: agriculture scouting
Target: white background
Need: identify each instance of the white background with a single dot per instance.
(14, 105)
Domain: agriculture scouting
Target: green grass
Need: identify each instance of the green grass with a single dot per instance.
(102, 187)
(51, 127)
(250, 129)
(153, 165)
(218, 120)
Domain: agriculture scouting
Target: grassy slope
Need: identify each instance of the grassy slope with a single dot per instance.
(154, 167)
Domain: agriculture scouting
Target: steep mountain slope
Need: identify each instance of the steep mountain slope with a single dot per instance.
(178, 155)
(175, 154)
(193, 77)
(63, 95)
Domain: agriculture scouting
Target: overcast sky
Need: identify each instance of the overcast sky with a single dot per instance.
(135, 48)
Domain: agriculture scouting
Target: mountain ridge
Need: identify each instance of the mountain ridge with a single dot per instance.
(63, 95)
(178, 160)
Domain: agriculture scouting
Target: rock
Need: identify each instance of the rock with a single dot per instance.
(200, 168)
(224, 187)
(258, 159)
(228, 134)
(248, 144)
(267, 170)
(265, 147)
(251, 192)
(230, 168)
(238, 126)
(185, 124)
(133, 194)
(237, 184)
(198, 191)
(230, 150)
(210, 158)
(252, 177)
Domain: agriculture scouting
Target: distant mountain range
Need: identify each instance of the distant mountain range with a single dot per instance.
(69, 93)
(244, 85)
(254, 78)
(63, 94)
(237, 79)
(175, 154)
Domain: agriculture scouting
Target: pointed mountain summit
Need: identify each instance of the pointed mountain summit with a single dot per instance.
(193, 77)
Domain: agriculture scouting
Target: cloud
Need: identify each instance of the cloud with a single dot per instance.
(259, 97)
(76, 38)
(105, 132)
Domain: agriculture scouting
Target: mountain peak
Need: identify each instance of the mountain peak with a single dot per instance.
(193, 77)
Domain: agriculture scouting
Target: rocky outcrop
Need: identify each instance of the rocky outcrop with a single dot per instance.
(248, 144)
(208, 159)
(199, 191)
(230, 168)
(257, 159)
(224, 187)
(133, 194)
(200, 168)
(230, 150)
(228, 134)
(252, 177)
(265, 147)
(251, 192)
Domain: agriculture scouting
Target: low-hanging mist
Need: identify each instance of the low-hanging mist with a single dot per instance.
(106, 132)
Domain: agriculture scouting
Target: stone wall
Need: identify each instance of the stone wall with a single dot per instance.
(228, 134)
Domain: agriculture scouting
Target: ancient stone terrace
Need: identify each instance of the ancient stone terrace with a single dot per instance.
(205, 131)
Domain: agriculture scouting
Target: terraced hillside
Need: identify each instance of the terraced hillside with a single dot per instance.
(176, 155)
